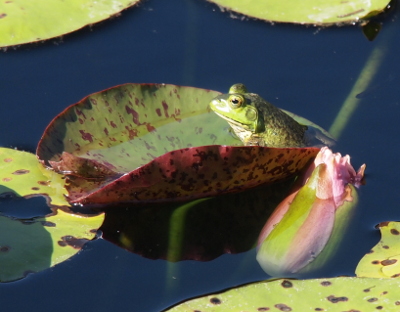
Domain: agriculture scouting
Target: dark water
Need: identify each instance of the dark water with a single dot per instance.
(306, 70)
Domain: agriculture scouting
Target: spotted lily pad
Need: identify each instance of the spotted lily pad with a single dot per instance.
(156, 142)
(330, 294)
(316, 12)
(22, 175)
(384, 259)
(374, 291)
(29, 246)
(24, 21)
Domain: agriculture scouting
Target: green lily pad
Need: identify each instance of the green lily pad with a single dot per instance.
(374, 291)
(384, 259)
(316, 12)
(21, 174)
(156, 142)
(29, 246)
(29, 21)
(329, 294)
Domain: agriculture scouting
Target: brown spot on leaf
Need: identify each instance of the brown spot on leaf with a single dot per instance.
(2, 15)
(21, 171)
(334, 299)
(8, 160)
(318, 309)
(150, 128)
(382, 224)
(283, 307)
(71, 241)
(81, 113)
(263, 309)
(385, 247)
(5, 248)
(379, 307)
(375, 262)
(286, 284)
(394, 232)
(372, 299)
(45, 183)
(132, 133)
(165, 107)
(7, 179)
(86, 136)
(388, 262)
(158, 112)
(135, 115)
(35, 188)
(48, 223)
(397, 303)
(326, 283)
(215, 300)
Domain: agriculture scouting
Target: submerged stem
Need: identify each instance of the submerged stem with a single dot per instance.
(371, 67)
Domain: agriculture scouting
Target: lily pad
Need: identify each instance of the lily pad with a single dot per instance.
(156, 142)
(329, 294)
(35, 20)
(384, 259)
(22, 175)
(29, 246)
(316, 12)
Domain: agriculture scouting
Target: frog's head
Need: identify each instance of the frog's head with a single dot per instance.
(237, 108)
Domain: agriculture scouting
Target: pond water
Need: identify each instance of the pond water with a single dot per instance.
(306, 70)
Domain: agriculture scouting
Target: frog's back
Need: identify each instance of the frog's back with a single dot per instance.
(281, 130)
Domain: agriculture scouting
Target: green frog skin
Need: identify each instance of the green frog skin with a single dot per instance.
(255, 121)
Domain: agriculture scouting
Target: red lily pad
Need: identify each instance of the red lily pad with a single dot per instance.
(156, 142)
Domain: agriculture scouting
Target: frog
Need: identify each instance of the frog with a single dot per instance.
(256, 122)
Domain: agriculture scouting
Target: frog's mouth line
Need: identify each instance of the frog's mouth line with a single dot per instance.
(233, 122)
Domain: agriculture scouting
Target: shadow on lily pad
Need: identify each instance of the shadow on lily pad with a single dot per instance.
(156, 143)
(32, 245)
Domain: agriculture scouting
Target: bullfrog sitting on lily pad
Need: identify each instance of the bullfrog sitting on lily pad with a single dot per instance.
(257, 122)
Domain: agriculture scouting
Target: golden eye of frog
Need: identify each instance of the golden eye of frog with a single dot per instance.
(256, 121)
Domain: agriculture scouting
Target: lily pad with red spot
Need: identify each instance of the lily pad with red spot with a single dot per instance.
(384, 259)
(156, 142)
(373, 289)
(22, 175)
(32, 245)
(329, 294)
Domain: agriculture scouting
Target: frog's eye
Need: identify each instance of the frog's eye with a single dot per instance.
(236, 101)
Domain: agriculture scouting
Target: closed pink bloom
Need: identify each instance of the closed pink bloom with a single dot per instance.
(317, 209)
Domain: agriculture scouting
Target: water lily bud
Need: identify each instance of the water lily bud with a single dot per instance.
(305, 228)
